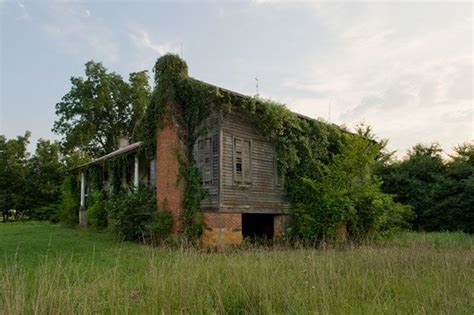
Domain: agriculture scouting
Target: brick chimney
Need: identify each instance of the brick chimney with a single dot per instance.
(122, 141)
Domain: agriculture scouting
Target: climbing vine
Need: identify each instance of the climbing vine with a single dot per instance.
(178, 97)
(308, 152)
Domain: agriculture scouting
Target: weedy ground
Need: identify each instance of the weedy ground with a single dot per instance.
(49, 269)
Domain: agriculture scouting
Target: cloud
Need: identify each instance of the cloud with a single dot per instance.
(410, 78)
(146, 49)
(14, 9)
(142, 40)
(72, 26)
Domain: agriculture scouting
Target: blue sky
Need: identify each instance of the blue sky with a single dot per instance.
(405, 68)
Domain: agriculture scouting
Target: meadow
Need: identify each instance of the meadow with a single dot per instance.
(47, 269)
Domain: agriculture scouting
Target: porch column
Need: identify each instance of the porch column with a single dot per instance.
(136, 173)
(82, 208)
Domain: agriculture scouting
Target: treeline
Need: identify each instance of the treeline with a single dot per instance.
(440, 190)
(30, 186)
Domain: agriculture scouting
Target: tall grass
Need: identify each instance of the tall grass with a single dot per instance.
(73, 271)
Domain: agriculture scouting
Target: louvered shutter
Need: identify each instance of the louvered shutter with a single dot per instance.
(238, 160)
(246, 161)
(207, 176)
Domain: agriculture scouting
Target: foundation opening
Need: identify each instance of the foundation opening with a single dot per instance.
(257, 226)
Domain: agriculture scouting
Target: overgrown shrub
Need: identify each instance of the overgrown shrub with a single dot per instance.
(45, 213)
(345, 193)
(160, 226)
(96, 212)
(68, 212)
(134, 216)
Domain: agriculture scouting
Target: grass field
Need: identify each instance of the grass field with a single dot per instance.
(49, 269)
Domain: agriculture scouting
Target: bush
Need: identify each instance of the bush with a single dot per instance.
(68, 212)
(160, 226)
(345, 197)
(96, 212)
(46, 213)
(134, 216)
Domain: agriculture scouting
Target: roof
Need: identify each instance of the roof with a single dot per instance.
(243, 95)
(123, 150)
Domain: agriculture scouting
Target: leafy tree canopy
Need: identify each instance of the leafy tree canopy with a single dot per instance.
(440, 191)
(13, 172)
(100, 108)
(45, 175)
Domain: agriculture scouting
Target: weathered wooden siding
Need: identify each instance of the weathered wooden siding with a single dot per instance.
(263, 194)
(210, 129)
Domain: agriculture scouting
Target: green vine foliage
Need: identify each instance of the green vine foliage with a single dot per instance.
(193, 195)
(173, 87)
(327, 183)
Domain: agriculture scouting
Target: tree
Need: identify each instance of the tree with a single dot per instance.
(441, 192)
(100, 108)
(45, 175)
(13, 173)
(454, 209)
(415, 180)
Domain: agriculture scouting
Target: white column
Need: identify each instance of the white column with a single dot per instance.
(82, 209)
(83, 191)
(136, 173)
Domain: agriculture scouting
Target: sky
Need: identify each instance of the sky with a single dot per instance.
(404, 68)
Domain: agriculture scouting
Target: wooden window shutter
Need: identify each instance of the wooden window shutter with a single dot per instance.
(238, 160)
(205, 160)
(207, 176)
(247, 161)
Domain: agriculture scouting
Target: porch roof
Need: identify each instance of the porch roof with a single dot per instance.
(124, 150)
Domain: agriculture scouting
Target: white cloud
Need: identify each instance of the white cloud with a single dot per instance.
(410, 78)
(24, 15)
(147, 50)
(142, 40)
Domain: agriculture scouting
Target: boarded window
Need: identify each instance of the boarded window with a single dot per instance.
(205, 160)
(242, 161)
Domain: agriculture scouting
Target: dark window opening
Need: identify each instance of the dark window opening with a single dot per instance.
(242, 161)
(129, 172)
(257, 225)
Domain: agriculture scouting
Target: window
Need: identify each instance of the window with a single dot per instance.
(205, 160)
(242, 161)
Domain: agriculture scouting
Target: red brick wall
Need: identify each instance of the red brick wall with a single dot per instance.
(279, 222)
(167, 168)
(223, 220)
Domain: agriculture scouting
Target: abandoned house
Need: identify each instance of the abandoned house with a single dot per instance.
(238, 168)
